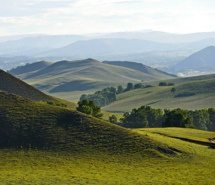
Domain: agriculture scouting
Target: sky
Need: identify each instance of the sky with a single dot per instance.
(101, 16)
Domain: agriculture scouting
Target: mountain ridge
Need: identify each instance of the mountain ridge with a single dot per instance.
(202, 61)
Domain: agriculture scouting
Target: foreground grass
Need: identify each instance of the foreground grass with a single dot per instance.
(194, 165)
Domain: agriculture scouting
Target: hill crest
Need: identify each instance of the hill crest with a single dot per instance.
(10, 84)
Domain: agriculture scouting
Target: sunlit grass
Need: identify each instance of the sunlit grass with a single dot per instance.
(194, 166)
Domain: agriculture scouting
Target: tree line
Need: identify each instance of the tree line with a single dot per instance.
(146, 116)
(108, 95)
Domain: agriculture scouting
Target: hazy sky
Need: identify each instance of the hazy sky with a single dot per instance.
(93, 16)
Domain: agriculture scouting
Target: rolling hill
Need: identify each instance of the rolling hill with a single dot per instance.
(202, 61)
(191, 93)
(70, 79)
(37, 125)
(46, 144)
(10, 84)
(138, 67)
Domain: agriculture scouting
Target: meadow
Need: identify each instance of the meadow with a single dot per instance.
(193, 164)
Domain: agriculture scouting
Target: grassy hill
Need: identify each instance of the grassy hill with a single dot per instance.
(29, 68)
(191, 93)
(38, 125)
(70, 79)
(13, 85)
(46, 144)
(138, 67)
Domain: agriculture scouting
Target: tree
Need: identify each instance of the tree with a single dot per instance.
(138, 86)
(162, 84)
(101, 98)
(88, 107)
(113, 119)
(142, 117)
(175, 118)
(201, 119)
(211, 112)
(120, 89)
(130, 86)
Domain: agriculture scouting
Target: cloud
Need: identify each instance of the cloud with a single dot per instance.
(87, 16)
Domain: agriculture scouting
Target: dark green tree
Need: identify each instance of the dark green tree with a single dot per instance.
(211, 113)
(130, 86)
(138, 86)
(175, 118)
(89, 107)
(120, 89)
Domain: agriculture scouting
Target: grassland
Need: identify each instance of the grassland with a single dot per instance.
(194, 164)
(201, 90)
(45, 144)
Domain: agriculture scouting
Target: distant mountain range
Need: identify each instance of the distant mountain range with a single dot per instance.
(84, 75)
(202, 61)
(105, 47)
(156, 49)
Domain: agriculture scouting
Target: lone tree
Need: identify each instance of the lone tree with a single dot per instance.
(113, 119)
(88, 107)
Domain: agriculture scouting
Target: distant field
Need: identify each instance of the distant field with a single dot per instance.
(191, 93)
(194, 165)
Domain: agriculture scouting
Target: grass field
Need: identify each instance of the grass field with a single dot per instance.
(194, 164)
(201, 90)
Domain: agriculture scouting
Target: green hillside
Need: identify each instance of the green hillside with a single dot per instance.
(191, 93)
(29, 124)
(70, 79)
(10, 84)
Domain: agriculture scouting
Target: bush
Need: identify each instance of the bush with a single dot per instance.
(113, 119)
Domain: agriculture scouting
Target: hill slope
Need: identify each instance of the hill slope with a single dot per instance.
(25, 123)
(191, 93)
(29, 68)
(69, 78)
(202, 61)
(138, 67)
(10, 84)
